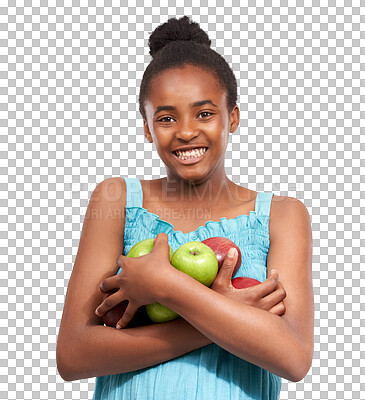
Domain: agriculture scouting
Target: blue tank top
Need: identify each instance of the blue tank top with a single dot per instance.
(208, 373)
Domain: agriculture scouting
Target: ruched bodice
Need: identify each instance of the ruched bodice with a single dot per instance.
(208, 373)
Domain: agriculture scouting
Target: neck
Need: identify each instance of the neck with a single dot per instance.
(211, 191)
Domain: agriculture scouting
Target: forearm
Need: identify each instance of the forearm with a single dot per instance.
(253, 334)
(104, 350)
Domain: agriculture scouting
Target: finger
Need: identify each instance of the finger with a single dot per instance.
(109, 284)
(127, 316)
(160, 240)
(120, 260)
(266, 287)
(161, 243)
(280, 289)
(272, 281)
(110, 302)
(226, 270)
(274, 298)
(279, 309)
(274, 274)
(279, 293)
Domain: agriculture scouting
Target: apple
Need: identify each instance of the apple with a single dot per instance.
(195, 259)
(243, 282)
(115, 314)
(144, 247)
(220, 246)
(160, 313)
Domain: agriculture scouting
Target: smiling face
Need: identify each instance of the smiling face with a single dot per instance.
(187, 109)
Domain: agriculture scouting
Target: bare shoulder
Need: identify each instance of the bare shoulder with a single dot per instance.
(290, 204)
(287, 211)
(110, 190)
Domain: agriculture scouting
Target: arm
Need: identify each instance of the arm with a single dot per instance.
(87, 348)
(102, 350)
(281, 345)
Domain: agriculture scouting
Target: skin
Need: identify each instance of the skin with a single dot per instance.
(266, 325)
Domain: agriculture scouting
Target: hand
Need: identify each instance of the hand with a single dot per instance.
(140, 280)
(267, 295)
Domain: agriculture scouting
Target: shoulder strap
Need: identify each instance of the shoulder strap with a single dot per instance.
(134, 192)
(263, 203)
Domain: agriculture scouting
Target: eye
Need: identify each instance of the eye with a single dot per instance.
(165, 119)
(205, 114)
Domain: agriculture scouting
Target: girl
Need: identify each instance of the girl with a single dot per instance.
(229, 343)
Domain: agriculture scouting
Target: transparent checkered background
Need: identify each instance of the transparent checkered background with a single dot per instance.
(69, 78)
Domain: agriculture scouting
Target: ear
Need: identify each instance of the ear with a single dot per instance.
(234, 118)
(147, 133)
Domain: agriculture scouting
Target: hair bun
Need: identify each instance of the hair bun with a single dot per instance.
(174, 30)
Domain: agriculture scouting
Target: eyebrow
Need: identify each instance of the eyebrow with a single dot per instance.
(196, 104)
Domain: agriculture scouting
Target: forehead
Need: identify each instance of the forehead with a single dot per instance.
(187, 84)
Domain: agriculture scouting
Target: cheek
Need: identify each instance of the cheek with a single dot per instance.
(161, 142)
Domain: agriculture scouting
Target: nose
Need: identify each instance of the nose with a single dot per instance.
(186, 130)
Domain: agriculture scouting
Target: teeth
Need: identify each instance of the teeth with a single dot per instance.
(194, 153)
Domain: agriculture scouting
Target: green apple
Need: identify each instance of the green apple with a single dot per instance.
(197, 260)
(144, 247)
(160, 313)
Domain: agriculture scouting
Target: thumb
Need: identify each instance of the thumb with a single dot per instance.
(229, 263)
(160, 239)
(120, 260)
(161, 244)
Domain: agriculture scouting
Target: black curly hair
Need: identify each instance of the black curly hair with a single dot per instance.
(178, 42)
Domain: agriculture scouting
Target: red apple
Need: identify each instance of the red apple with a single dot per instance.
(220, 246)
(115, 314)
(243, 282)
